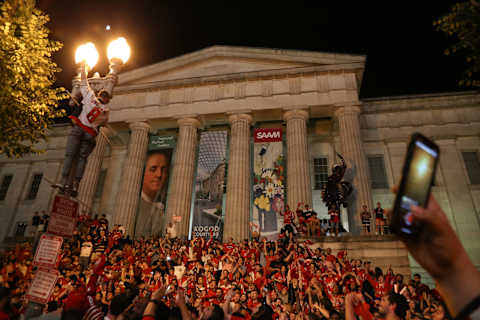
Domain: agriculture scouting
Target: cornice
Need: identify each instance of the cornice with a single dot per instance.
(236, 77)
(449, 100)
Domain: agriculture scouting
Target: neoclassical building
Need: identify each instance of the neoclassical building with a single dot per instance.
(312, 96)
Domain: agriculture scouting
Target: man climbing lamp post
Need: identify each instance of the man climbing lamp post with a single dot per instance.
(89, 100)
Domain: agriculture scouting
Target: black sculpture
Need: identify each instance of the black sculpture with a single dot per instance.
(336, 191)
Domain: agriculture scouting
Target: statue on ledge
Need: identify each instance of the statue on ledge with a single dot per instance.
(335, 191)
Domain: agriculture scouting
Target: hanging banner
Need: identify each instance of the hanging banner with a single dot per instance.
(151, 209)
(268, 181)
(209, 184)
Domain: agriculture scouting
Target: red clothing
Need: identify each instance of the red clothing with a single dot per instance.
(259, 283)
(334, 217)
(331, 258)
(252, 304)
(381, 289)
(288, 217)
(329, 282)
(363, 310)
(4, 316)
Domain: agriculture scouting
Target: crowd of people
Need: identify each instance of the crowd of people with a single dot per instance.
(305, 221)
(204, 278)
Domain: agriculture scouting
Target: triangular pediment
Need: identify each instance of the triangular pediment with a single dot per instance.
(227, 60)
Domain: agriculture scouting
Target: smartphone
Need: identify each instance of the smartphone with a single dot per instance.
(417, 178)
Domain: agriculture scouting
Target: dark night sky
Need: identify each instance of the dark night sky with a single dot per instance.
(404, 52)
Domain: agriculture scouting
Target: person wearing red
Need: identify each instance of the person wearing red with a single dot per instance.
(280, 278)
(83, 299)
(329, 256)
(381, 287)
(81, 140)
(253, 301)
(288, 220)
(334, 219)
(300, 217)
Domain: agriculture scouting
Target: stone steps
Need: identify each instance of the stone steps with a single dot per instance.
(10, 242)
(382, 251)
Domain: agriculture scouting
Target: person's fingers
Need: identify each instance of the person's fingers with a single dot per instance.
(432, 204)
(420, 214)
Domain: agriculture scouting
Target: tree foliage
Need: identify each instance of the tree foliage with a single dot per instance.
(463, 23)
(28, 101)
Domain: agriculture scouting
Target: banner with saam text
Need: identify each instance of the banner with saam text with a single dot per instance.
(268, 182)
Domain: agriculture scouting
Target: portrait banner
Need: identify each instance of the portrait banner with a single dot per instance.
(209, 185)
(268, 182)
(150, 219)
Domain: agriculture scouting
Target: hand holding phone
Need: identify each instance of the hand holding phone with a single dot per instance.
(414, 190)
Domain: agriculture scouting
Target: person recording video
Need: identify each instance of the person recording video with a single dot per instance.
(423, 226)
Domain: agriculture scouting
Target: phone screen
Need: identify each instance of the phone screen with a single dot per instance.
(418, 179)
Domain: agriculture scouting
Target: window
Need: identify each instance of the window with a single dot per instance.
(7, 179)
(472, 164)
(101, 183)
(378, 175)
(320, 172)
(37, 179)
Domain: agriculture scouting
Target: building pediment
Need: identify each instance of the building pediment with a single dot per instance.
(227, 62)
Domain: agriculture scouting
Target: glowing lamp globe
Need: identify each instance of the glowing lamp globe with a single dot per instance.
(118, 50)
(88, 53)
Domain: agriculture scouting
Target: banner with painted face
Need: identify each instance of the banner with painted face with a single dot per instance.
(150, 219)
(268, 182)
(209, 185)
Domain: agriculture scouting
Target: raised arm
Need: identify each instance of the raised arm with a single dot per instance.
(181, 304)
(441, 253)
(84, 86)
(83, 73)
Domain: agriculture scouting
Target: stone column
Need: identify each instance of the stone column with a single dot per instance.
(237, 209)
(299, 187)
(128, 194)
(350, 136)
(89, 182)
(181, 185)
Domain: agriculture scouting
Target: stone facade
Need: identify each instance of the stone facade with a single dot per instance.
(314, 96)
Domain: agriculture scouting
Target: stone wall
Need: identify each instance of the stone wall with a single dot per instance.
(381, 251)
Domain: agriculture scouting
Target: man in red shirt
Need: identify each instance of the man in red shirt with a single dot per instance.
(288, 220)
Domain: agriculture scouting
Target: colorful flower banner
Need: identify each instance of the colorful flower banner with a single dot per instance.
(268, 182)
